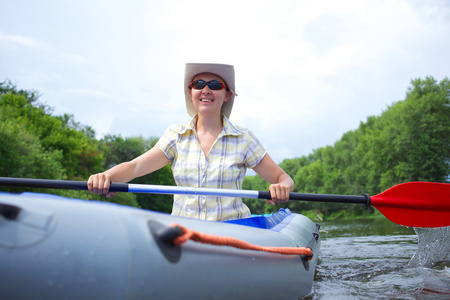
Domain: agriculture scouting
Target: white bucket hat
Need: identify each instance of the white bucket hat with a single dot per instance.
(226, 72)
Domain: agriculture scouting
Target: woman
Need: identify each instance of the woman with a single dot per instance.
(209, 151)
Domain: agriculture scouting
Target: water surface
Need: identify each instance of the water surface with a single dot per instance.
(378, 259)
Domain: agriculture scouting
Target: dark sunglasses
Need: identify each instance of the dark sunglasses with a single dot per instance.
(213, 85)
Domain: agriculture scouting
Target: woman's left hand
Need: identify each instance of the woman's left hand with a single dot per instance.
(282, 183)
(279, 193)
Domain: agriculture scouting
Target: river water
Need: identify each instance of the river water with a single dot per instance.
(378, 259)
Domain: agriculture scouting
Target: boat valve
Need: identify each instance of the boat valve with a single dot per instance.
(164, 237)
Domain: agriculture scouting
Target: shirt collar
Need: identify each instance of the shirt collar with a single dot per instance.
(228, 127)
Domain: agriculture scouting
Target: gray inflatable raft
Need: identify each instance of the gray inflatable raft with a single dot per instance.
(53, 247)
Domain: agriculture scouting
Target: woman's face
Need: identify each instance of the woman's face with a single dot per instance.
(206, 101)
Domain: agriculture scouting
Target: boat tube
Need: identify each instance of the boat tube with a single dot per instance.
(52, 247)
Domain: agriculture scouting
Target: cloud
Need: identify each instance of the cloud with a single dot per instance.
(88, 93)
(15, 40)
(75, 59)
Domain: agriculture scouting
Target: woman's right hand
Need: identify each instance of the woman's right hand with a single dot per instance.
(99, 184)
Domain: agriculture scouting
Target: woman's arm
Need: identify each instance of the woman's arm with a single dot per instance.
(280, 182)
(150, 161)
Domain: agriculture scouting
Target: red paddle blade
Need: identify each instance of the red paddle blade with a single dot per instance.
(416, 204)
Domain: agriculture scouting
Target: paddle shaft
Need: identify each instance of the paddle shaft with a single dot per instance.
(414, 204)
(161, 189)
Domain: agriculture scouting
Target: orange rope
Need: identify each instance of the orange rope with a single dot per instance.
(189, 234)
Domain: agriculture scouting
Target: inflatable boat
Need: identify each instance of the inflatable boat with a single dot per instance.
(53, 247)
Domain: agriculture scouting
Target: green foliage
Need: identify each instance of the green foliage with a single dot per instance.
(79, 151)
(22, 154)
(410, 141)
(31, 97)
(36, 144)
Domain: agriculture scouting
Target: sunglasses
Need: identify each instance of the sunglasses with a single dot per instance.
(213, 85)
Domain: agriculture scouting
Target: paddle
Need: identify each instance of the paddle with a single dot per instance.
(413, 204)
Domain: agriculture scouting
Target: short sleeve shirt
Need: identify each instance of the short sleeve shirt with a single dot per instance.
(234, 150)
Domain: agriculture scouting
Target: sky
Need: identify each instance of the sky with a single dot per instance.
(306, 71)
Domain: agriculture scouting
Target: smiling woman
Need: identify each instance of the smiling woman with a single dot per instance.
(208, 95)
(207, 152)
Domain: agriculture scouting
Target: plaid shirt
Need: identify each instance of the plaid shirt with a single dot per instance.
(234, 150)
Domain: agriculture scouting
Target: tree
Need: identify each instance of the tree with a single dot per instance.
(409, 141)
(36, 144)
(22, 154)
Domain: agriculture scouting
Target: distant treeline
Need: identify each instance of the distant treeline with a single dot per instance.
(37, 144)
(410, 141)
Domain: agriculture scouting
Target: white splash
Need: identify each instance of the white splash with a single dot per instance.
(433, 247)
